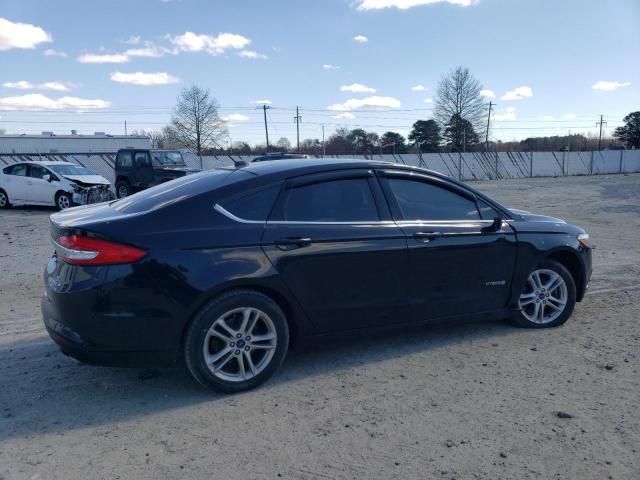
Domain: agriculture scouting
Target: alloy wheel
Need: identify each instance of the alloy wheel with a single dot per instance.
(544, 297)
(123, 191)
(3, 200)
(240, 344)
(63, 202)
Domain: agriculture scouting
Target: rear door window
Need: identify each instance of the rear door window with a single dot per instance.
(340, 200)
(124, 160)
(142, 159)
(38, 171)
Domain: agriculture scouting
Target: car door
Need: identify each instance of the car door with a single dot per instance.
(332, 240)
(15, 182)
(460, 263)
(40, 190)
(143, 169)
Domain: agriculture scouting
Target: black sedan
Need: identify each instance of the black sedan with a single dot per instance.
(224, 269)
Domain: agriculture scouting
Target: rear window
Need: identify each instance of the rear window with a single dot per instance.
(173, 191)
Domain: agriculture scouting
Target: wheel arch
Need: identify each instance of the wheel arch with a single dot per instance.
(571, 261)
(293, 315)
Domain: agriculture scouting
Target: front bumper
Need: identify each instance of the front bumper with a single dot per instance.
(94, 194)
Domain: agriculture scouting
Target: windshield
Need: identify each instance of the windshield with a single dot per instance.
(70, 169)
(167, 158)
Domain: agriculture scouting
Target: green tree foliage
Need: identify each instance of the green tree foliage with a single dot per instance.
(459, 133)
(393, 142)
(630, 131)
(426, 133)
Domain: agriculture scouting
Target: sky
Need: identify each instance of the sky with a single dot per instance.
(551, 66)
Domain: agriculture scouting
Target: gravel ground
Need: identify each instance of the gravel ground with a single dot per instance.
(463, 402)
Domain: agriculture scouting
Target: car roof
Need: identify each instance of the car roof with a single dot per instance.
(311, 165)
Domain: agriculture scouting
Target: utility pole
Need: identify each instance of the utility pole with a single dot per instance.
(486, 138)
(324, 149)
(297, 119)
(125, 128)
(601, 123)
(266, 129)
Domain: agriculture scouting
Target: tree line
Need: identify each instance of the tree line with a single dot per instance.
(459, 124)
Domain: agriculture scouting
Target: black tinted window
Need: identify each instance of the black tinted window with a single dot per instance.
(124, 160)
(487, 211)
(38, 172)
(348, 200)
(254, 206)
(142, 159)
(20, 169)
(425, 201)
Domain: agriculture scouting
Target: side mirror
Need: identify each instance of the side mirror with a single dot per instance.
(47, 177)
(495, 226)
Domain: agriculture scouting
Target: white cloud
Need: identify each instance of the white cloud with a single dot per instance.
(405, 4)
(103, 58)
(24, 85)
(251, 54)
(487, 93)
(428, 100)
(357, 88)
(191, 42)
(235, 117)
(518, 93)
(133, 40)
(21, 35)
(148, 49)
(604, 85)
(262, 102)
(345, 116)
(50, 52)
(20, 85)
(418, 88)
(144, 79)
(328, 66)
(507, 114)
(569, 116)
(369, 102)
(547, 118)
(37, 101)
(361, 39)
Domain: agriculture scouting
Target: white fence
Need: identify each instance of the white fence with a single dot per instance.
(463, 166)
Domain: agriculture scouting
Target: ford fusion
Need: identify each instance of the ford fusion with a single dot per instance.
(223, 270)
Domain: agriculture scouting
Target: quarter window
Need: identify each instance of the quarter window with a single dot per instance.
(348, 200)
(253, 206)
(425, 201)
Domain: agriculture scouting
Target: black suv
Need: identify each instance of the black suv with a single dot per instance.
(137, 169)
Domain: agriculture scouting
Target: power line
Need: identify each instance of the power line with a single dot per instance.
(601, 123)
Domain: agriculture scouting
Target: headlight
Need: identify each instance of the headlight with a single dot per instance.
(583, 239)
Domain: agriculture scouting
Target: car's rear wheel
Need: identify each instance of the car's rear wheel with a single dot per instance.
(548, 297)
(123, 189)
(4, 199)
(63, 200)
(237, 341)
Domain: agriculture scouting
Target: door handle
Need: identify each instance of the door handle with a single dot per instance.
(284, 243)
(426, 236)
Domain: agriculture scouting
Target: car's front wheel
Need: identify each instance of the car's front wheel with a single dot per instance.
(63, 200)
(237, 341)
(548, 297)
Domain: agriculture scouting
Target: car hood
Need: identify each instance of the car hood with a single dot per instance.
(87, 180)
(178, 168)
(534, 217)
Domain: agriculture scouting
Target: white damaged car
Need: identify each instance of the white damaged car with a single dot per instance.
(61, 184)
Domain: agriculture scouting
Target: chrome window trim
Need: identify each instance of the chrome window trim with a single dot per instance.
(407, 223)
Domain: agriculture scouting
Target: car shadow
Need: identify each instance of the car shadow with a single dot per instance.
(42, 391)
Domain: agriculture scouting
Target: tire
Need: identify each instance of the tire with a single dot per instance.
(539, 307)
(123, 189)
(63, 201)
(4, 199)
(205, 336)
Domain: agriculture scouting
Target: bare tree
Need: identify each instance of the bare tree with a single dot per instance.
(458, 98)
(195, 123)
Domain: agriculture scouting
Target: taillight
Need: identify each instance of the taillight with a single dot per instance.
(79, 250)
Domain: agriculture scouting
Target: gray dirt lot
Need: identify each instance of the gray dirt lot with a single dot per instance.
(465, 402)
